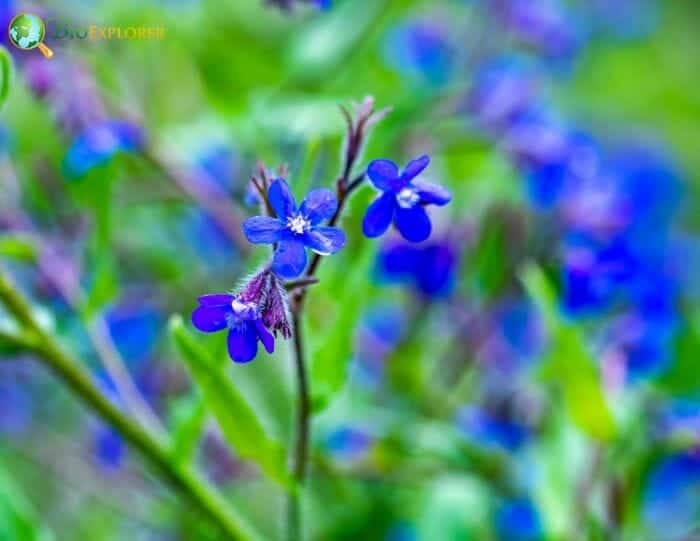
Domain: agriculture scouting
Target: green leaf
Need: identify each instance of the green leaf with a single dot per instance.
(18, 520)
(343, 295)
(18, 247)
(190, 417)
(103, 289)
(5, 71)
(569, 363)
(238, 421)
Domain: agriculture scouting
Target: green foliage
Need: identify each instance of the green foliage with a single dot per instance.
(569, 364)
(5, 70)
(17, 247)
(238, 421)
(18, 520)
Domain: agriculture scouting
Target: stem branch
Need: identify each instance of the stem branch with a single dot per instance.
(67, 369)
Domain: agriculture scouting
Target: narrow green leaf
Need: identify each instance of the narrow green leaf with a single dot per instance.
(330, 358)
(18, 247)
(238, 421)
(569, 363)
(5, 71)
(18, 520)
(190, 418)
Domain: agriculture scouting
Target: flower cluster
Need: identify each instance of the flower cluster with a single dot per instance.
(615, 206)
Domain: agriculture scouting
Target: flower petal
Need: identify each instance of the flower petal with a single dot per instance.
(325, 240)
(415, 168)
(263, 230)
(383, 174)
(289, 260)
(243, 342)
(281, 199)
(209, 319)
(379, 215)
(319, 205)
(215, 299)
(432, 194)
(265, 337)
(413, 224)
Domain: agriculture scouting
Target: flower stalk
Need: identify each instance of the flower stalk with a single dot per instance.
(36, 340)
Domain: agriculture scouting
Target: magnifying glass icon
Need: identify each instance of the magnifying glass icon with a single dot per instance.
(27, 31)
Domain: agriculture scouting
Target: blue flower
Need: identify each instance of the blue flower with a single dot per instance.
(545, 25)
(134, 330)
(430, 268)
(348, 443)
(219, 311)
(296, 229)
(670, 503)
(109, 448)
(99, 143)
(503, 89)
(518, 520)
(421, 50)
(402, 200)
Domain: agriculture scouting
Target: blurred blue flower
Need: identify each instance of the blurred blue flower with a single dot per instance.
(109, 448)
(430, 268)
(99, 143)
(402, 199)
(536, 138)
(348, 443)
(642, 343)
(220, 311)
(515, 337)
(207, 239)
(134, 330)
(402, 531)
(219, 164)
(518, 520)
(380, 330)
(545, 25)
(679, 419)
(503, 89)
(294, 229)
(485, 429)
(671, 497)
(422, 50)
(15, 407)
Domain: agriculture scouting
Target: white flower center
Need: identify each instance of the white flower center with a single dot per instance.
(244, 310)
(298, 224)
(407, 198)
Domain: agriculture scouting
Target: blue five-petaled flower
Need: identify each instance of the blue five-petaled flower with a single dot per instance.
(402, 200)
(220, 311)
(296, 229)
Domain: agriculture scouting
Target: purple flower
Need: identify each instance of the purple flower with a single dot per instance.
(402, 200)
(296, 229)
(219, 311)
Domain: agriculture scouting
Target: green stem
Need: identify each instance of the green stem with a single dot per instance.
(180, 477)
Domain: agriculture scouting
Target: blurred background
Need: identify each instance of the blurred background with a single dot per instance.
(528, 373)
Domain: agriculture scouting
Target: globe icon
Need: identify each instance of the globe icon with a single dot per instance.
(27, 32)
